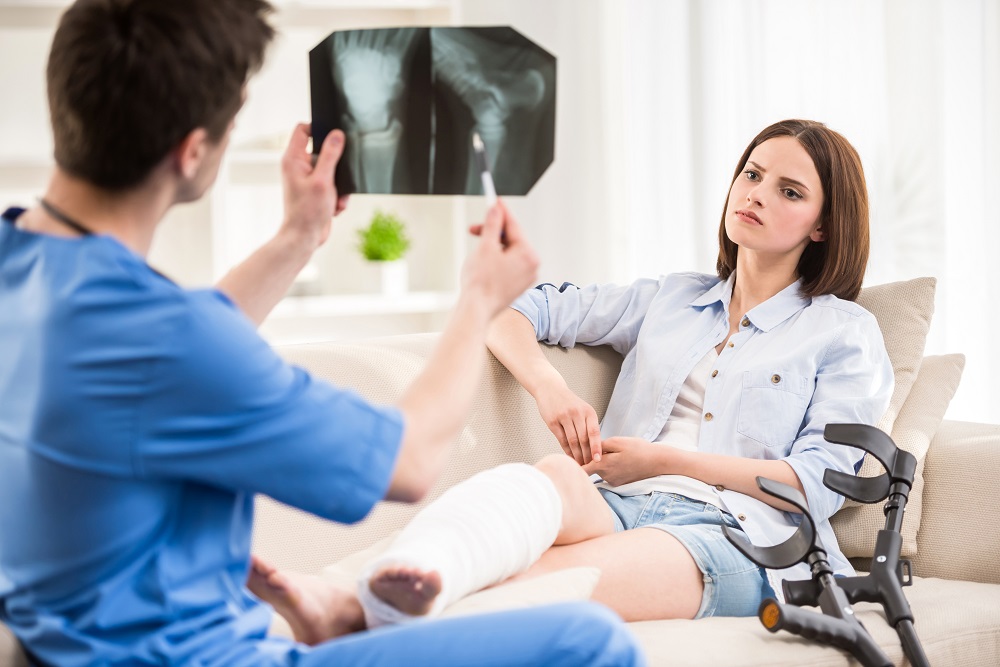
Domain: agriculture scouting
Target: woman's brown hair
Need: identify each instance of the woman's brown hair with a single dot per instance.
(837, 264)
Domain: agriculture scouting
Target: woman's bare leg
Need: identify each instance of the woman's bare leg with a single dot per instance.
(585, 514)
(646, 573)
(627, 560)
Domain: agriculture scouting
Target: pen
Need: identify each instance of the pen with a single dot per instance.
(484, 170)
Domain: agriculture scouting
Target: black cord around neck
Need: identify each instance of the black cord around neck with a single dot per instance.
(56, 214)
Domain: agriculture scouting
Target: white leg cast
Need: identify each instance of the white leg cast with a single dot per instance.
(479, 533)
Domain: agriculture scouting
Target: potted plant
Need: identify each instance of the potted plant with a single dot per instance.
(385, 242)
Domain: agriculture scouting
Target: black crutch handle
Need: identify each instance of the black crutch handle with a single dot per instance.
(900, 466)
(847, 635)
(793, 550)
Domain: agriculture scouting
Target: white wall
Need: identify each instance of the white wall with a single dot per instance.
(569, 215)
(913, 84)
(655, 101)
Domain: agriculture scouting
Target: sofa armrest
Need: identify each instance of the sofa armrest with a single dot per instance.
(958, 536)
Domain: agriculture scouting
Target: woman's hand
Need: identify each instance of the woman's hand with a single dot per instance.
(572, 420)
(629, 460)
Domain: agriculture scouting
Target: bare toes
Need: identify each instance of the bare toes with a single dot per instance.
(409, 590)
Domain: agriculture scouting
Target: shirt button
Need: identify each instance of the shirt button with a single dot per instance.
(719, 487)
(714, 373)
(708, 416)
(745, 322)
(742, 517)
(775, 379)
(731, 344)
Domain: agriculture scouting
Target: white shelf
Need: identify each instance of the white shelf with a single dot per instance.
(256, 157)
(361, 4)
(351, 305)
(26, 162)
(313, 319)
(35, 3)
(278, 4)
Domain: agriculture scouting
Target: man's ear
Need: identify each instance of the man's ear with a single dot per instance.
(818, 235)
(190, 153)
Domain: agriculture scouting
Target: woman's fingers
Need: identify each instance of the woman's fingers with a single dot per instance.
(583, 437)
(594, 436)
(557, 430)
(573, 440)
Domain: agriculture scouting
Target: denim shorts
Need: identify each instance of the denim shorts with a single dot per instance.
(734, 586)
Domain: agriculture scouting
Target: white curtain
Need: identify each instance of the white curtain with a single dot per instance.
(913, 84)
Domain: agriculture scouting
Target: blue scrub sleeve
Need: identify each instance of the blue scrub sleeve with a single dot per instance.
(224, 409)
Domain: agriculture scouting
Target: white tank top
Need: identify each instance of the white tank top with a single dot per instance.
(681, 431)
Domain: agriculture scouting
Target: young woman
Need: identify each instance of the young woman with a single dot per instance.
(725, 378)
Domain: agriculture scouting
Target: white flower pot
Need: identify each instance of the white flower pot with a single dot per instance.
(395, 278)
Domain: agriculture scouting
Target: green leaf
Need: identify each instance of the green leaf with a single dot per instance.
(384, 239)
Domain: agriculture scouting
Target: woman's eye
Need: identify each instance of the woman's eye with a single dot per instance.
(752, 175)
(792, 194)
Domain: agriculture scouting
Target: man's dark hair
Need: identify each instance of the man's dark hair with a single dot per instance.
(129, 79)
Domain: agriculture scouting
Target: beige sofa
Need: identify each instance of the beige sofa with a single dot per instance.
(955, 598)
(951, 532)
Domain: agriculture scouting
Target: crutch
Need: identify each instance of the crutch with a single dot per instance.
(888, 573)
(837, 625)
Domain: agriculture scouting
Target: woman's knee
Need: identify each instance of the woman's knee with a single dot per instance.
(567, 475)
(584, 512)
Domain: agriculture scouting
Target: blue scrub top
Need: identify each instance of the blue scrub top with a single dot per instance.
(137, 421)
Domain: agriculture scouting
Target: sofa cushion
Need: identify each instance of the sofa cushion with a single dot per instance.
(569, 585)
(857, 525)
(903, 311)
(958, 536)
(958, 623)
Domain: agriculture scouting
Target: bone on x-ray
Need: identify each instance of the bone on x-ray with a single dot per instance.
(410, 100)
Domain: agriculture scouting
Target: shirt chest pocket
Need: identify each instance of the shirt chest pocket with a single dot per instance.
(772, 406)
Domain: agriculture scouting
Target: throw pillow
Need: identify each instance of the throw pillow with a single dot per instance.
(857, 525)
(903, 310)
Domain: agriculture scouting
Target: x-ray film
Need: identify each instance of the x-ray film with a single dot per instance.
(410, 99)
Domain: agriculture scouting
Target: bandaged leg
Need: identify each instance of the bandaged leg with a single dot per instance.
(479, 533)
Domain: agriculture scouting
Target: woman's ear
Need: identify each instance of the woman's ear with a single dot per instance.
(190, 153)
(818, 235)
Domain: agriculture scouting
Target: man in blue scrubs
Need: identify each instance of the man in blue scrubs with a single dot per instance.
(138, 419)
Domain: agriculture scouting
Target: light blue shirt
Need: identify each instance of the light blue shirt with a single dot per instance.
(795, 365)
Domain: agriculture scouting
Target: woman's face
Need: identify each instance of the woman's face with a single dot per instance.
(775, 203)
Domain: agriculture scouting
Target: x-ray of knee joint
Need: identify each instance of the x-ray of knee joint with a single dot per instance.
(410, 99)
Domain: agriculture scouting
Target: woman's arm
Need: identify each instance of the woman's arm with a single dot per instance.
(572, 420)
(631, 459)
(592, 315)
(853, 385)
